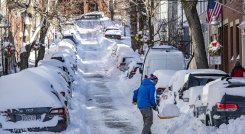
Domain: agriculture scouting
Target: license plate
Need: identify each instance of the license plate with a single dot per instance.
(29, 117)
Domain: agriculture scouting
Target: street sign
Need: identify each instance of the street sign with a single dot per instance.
(215, 60)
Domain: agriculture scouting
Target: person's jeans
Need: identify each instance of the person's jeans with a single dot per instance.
(148, 120)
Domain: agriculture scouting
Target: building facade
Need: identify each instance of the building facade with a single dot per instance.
(230, 34)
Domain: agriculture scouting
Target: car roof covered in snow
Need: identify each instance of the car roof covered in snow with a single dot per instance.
(206, 71)
(27, 91)
(52, 62)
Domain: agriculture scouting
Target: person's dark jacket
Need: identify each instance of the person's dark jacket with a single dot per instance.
(145, 94)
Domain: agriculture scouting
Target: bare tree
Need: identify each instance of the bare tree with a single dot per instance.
(50, 16)
(196, 33)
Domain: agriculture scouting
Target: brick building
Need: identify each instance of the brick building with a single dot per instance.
(77, 7)
(230, 34)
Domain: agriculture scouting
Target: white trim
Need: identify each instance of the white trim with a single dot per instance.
(237, 21)
(231, 24)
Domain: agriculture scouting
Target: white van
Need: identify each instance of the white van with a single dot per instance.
(163, 57)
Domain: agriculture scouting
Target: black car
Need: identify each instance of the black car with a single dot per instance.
(198, 79)
(225, 100)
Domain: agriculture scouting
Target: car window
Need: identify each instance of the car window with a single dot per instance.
(198, 81)
(58, 58)
(235, 84)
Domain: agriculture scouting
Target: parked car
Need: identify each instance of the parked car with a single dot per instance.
(163, 57)
(190, 82)
(113, 34)
(125, 59)
(133, 67)
(56, 63)
(71, 37)
(162, 86)
(220, 101)
(56, 80)
(123, 48)
(30, 104)
(66, 58)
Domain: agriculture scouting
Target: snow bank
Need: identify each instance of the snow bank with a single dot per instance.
(169, 110)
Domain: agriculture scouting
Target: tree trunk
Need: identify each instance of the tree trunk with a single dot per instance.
(43, 33)
(196, 33)
(133, 25)
(142, 18)
(24, 58)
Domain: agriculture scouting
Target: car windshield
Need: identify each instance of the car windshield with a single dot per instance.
(111, 29)
(200, 80)
(94, 16)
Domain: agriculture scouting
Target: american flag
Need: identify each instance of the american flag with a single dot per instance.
(214, 9)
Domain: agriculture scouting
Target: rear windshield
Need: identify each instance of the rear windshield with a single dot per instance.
(200, 80)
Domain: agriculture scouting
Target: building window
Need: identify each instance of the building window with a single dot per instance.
(231, 41)
(237, 39)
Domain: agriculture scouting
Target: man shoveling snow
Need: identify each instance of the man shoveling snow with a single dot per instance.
(144, 96)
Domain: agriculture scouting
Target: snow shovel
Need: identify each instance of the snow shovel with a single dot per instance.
(167, 113)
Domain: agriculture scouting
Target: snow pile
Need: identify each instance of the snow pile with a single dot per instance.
(234, 127)
(170, 110)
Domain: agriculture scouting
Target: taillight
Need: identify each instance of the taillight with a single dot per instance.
(226, 107)
(59, 111)
(63, 93)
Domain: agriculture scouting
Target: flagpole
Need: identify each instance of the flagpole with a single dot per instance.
(231, 8)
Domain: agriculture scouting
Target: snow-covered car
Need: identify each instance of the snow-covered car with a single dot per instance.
(71, 37)
(125, 59)
(133, 67)
(59, 71)
(162, 89)
(184, 81)
(66, 45)
(56, 63)
(123, 48)
(113, 34)
(220, 101)
(56, 80)
(30, 104)
(66, 58)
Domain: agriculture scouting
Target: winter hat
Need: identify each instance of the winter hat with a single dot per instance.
(153, 77)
